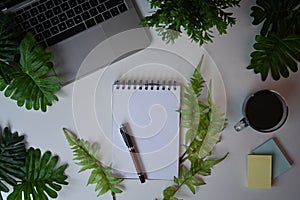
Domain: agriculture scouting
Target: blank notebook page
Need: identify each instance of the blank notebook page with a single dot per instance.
(153, 122)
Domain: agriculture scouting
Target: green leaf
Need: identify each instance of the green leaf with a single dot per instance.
(276, 50)
(43, 177)
(12, 158)
(9, 46)
(190, 185)
(169, 192)
(86, 155)
(275, 55)
(280, 17)
(209, 163)
(31, 85)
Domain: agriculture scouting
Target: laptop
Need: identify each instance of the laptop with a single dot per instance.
(71, 29)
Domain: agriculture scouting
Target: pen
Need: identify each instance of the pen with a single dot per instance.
(132, 152)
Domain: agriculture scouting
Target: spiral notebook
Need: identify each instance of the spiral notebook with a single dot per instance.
(150, 111)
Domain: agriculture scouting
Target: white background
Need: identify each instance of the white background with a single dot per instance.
(231, 53)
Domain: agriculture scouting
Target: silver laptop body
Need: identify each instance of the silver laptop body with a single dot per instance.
(118, 37)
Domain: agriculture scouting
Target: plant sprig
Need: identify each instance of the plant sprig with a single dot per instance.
(86, 155)
(191, 177)
(203, 126)
(197, 18)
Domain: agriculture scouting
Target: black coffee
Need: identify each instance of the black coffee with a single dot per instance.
(264, 110)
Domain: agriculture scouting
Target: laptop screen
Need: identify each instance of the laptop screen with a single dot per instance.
(5, 4)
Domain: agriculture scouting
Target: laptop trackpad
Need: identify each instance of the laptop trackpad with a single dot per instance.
(69, 54)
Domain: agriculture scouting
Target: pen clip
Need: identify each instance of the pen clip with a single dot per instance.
(126, 136)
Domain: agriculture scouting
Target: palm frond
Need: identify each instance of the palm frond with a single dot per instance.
(86, 154)
(12, 158)
(31, 85)
(43, 177)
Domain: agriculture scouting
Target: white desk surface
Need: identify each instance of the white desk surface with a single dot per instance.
(231, 53)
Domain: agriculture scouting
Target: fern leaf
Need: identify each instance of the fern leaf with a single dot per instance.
(31, 85)
(12, 158)
(187, 177)
(204, 124)
(86, 154)
(216, 125)
(191, 110)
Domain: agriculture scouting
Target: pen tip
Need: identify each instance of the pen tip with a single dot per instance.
(142, 178)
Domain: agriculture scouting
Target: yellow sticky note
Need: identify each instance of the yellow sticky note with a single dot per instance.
(259, 171)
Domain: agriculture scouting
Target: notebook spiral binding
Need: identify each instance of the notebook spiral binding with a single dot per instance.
(146, 85)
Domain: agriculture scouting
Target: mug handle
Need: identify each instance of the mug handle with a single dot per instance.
(241, 125)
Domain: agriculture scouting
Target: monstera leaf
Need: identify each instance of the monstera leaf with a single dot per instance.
(43, 177)
(275, 55)
(277, 16)
(12, 159)
(277, 49)
(9, 46)
(31, 85)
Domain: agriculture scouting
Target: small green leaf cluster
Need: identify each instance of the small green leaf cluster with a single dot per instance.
(203, 126)
(86, 154)
(277, 48)
(196, 17)
(24, 70)
(33, 175)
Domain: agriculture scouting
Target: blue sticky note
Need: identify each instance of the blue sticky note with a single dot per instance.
(280, 163)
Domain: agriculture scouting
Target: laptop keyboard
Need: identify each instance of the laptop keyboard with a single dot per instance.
(52, 21)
